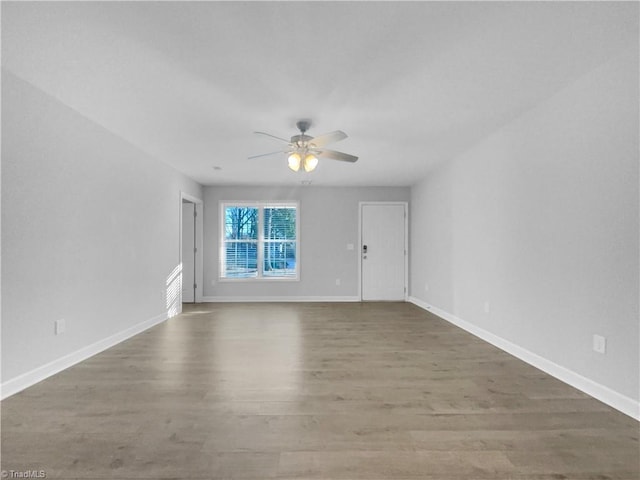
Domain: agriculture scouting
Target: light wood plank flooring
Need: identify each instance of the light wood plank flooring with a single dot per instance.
(312, 391)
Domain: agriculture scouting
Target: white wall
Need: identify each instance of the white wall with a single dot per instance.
(90, 234)
(541, 220)
(328, 222)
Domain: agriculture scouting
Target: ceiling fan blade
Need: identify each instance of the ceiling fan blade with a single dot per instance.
(273, 136)
(331, 137)
(332, 154)
(266, 154)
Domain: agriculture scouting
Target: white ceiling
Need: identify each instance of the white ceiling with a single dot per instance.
(411, 83)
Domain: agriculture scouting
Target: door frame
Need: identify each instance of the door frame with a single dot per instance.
(406, 243)
(199, 239)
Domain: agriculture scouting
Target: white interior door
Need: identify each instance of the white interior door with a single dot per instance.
(188, 252)
(383, 253)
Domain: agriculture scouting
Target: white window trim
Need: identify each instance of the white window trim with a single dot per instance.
(260, 205)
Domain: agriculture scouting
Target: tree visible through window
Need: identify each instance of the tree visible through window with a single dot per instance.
(259, 241)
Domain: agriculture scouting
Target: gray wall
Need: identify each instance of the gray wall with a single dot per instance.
(328, 222)
(541, 220)
(90, 230)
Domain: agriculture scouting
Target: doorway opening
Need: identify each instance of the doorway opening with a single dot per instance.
(191, 248)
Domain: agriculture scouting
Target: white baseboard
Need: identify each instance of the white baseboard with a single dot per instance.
(17, 384)
(606, 395)
(280, 299)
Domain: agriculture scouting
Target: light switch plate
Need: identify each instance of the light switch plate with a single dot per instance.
(599, 344)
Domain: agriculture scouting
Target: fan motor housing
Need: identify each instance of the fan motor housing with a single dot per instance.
(301, 139)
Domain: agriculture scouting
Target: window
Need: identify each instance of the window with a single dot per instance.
(259, 241)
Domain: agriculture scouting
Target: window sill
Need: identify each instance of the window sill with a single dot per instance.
(259, 280)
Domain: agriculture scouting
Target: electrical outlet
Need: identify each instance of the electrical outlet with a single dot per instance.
(59, 326)
(487, 306)
(599, 344)
(350, 246)
(337, 282)
(426, 287)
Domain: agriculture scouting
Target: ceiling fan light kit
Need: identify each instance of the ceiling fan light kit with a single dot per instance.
(309, 162)
(304, 150)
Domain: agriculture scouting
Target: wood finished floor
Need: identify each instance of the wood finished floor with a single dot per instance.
(312, 391)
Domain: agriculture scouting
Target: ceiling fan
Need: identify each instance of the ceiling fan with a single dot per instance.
(304, 150)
